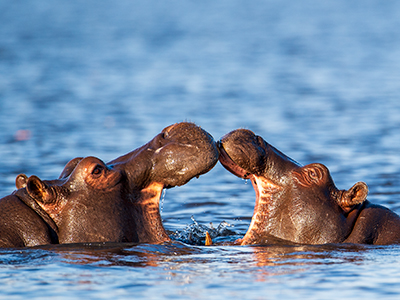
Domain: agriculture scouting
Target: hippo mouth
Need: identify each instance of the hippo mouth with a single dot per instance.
(231, 166)
(264, 189)
(172, 158)
(185, 151)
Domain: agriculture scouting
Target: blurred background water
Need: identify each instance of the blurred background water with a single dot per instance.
(318, 80)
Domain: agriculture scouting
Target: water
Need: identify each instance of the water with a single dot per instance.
(195, 234)
(318, 80)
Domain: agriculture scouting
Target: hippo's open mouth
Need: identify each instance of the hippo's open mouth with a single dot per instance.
(231, 166)
(265, 190)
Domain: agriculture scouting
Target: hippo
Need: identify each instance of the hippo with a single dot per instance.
(118, 201)
(301, 204)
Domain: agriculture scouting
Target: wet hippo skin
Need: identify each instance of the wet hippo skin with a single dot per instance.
(115, 202)
(301, 204)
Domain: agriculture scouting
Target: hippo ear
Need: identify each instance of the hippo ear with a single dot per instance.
(69, 167)
(355, 195)
(39, 190)
(20, 181)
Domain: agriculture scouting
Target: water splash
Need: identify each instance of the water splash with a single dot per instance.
(195, 234)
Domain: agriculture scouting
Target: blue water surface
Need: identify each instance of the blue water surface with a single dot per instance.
(319, 80)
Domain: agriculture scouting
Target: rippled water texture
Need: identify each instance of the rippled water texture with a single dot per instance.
(319, 80)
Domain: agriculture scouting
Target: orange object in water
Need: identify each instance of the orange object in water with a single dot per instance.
(208, 239)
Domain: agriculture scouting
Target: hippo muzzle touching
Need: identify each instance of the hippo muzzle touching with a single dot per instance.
(301, 204)
(115, 202)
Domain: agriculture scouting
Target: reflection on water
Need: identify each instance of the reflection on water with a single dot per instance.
(183, 264)
(146, 255)
(308, 255)
(176, 268)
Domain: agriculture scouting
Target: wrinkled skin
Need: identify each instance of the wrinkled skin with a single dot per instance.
(115, 202)
(301, 204)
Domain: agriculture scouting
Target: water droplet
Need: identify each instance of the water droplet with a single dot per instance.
(162, 200)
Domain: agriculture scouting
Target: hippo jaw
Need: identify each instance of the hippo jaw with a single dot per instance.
(172, 158)
(248, 156)
(265, 190)
(293, 203)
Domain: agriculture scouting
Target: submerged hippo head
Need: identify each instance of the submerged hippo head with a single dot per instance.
(295, 203)
(119, 201)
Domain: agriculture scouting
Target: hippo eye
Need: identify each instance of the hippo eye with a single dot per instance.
(315, 174)
(312, 174)
(97, 171)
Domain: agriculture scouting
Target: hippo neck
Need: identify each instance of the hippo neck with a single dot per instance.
(23, 195)
(265, 191)
(148, 221)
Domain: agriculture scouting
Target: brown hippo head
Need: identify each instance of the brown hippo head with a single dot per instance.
(86, 206)
(295, 203)
(173, 157)
(119, 201)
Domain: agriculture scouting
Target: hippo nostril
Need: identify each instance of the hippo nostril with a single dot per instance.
(167, 130)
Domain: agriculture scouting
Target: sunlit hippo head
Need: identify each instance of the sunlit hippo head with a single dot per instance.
(294, 203)
(173, 157)
(119, 201)
(87, 205)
